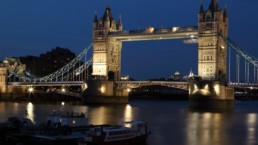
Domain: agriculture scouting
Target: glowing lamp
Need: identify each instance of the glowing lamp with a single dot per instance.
(31, 90)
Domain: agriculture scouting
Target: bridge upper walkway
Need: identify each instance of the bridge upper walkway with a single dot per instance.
(156, 34)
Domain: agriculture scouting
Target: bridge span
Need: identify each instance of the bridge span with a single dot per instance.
(136, 84)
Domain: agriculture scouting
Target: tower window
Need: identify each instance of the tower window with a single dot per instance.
(209, 26)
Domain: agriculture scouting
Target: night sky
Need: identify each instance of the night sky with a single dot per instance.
(31, 27)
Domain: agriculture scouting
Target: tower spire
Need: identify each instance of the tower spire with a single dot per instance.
(225, 13)
(201, 11)
(107, 15)
(119, 24)
(120, 20)
(214, 5)
(95, 17)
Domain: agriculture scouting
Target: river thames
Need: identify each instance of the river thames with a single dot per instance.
(170, 122)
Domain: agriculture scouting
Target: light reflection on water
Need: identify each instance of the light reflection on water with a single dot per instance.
(170, 122)
(30, 111)
(110, 114)
(251, 123)
(206, 128)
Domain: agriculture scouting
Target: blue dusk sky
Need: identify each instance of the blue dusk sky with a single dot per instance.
(31, 27)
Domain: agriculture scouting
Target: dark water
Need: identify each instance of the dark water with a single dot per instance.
(170, 122)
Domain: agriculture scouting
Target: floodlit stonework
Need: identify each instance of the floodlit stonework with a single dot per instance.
(3, 78)
(106, 51)
(212, 50)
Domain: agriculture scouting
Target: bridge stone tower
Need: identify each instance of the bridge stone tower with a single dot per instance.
(106, 62)
(3, 78)
(212, 24)
(106, 52)
(210, 91)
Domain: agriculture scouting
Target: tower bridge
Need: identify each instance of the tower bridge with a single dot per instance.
(213, 64)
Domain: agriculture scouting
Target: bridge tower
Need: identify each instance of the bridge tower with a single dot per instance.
(210, 91)
(106, 52)
(212, 24)
(3, 78)
(106, 62)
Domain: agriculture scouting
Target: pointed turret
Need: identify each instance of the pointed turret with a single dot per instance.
(214, 5)
(201, 11)
(119, 24)
(120, 21)
(113, 24)
(107, 15)
(95, 20)
(225, 13)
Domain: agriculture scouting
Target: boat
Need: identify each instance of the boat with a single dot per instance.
(129, 133)
(59, 129)
(62, 128)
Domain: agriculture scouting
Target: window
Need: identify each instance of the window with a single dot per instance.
(209, 26)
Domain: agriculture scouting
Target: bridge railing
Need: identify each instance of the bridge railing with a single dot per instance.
(236, 84)
(151, 30)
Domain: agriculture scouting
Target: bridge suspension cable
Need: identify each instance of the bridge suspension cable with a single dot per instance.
(229, 75)
(237, 67)
(249, 59)
(244, 54)
(63, 72)
(66, 68)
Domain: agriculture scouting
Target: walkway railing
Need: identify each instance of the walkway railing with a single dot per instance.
(152, 30)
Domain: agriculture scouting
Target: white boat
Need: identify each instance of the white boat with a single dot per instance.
(130, 133)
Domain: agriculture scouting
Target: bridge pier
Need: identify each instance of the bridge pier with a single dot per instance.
(103, 91)
(210, 95)
(9, 91)
(3, 78)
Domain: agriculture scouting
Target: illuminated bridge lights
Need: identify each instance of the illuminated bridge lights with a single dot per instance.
(30, 89)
